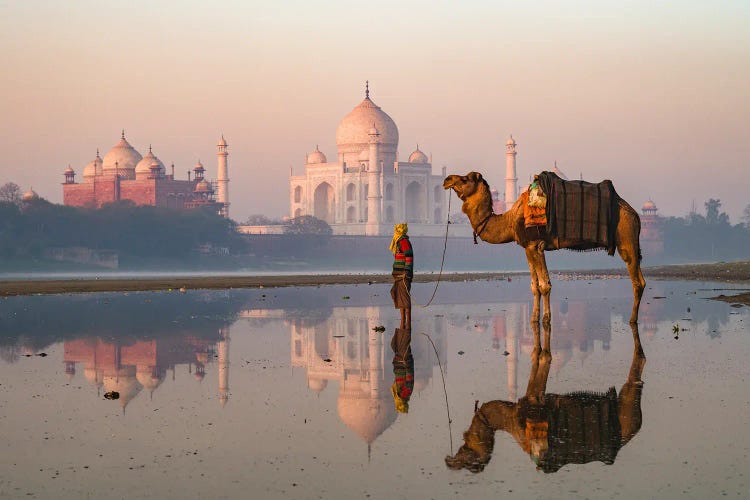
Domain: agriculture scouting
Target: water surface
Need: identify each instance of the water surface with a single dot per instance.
(287, 393)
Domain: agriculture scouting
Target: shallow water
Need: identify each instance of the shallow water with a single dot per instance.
(287, 393)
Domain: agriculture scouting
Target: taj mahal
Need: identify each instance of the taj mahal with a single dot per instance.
(367, 189)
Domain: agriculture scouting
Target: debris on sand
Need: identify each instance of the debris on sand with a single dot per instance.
(112, 395)
(460, 353)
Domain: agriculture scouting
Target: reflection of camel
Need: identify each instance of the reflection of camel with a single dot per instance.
(474, 191)
(555, 430)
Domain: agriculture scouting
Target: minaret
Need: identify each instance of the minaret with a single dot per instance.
(222, 179)
(374, 197)
(223, 348)
(511, 180)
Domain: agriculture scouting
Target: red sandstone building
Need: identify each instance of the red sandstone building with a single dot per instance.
(123, 174)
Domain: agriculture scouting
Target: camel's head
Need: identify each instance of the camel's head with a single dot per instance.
(476, 451)
(464, 185)
(467, 458)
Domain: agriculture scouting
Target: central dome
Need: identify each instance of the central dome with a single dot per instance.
(352, 134)
(121, 158)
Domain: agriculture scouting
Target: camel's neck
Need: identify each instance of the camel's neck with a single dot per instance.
(500, 415)
(490, 227)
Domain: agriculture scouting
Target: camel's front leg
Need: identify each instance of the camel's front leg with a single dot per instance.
(530, 256)
(540, 283)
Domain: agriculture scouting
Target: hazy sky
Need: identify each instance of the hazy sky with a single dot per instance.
(653, 95)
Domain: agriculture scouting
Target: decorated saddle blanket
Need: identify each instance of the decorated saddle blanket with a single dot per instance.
(533, 215)
(581, 213)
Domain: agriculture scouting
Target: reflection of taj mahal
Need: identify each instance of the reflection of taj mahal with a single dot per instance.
(128, 369)
(344, 348)
(367, 189)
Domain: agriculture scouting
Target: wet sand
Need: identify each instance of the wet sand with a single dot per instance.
(10, 288)
(735, 272)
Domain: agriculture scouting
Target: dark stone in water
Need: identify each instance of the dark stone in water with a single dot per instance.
(112, 395)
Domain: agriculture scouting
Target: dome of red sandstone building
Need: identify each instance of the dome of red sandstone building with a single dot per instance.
(143, 168)
(122, 159)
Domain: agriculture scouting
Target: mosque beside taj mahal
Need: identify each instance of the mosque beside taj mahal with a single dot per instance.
(126, 175)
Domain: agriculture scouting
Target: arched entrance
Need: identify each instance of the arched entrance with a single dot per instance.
(324, 202)
(415, 203)
(351, 214)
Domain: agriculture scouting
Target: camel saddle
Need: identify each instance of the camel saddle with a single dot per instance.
(581, 212)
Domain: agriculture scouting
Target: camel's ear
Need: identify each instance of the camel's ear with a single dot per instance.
(475, 176)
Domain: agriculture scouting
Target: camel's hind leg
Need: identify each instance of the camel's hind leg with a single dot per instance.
(632, 258)
(540, 283)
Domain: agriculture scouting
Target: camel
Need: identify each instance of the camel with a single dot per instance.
(474, 191)
(556, 430)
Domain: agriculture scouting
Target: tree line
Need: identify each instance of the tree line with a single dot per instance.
(29, 227)
(707, 237)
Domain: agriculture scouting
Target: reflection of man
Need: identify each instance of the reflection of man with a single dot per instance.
(556, 430)
(403, 271)
(403, 369)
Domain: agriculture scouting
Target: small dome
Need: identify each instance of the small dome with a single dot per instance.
(69, 170)
(92, 376)
(316, 156)
(559, 172)
(121, 158)
(124, 382)
(92, 168)
(143, 168)
(29, 195)
(649, 205)
(148, 377)
(418, 156)
(222, 142)
(203, 187)
(511, 141)
(199, 167)
(317, 384)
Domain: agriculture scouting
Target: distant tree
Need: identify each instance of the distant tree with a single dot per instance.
(261, 220)
(10, 192)
(713, 216)
(307, 224)
(746, 216)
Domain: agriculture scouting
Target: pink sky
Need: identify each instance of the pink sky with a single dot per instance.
(654, 97)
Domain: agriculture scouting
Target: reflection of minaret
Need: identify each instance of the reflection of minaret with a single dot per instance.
(223, 352)
(512, 326)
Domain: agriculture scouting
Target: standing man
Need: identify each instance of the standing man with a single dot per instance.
(403, 271)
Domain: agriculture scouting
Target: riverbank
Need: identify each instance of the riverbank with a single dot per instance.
(734, 272)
